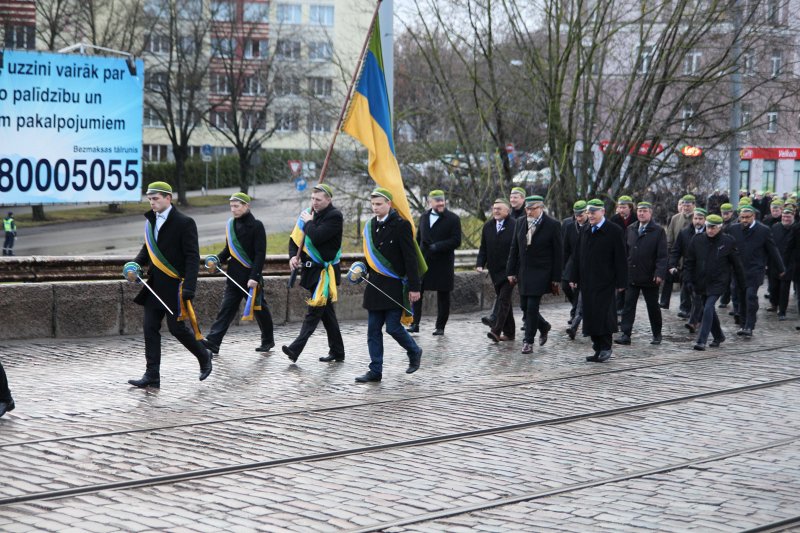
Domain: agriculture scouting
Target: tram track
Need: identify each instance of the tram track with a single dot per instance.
(356, 405)
(433, 439)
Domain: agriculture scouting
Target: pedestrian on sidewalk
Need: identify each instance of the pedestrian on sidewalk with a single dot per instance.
(6, 401)
(10, 234)
(496, 238)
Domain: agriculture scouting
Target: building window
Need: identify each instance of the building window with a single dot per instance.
(253, 120)
(256, 48)
(188, 45)
(768, 175)
(320, 87)
(646, 57)
(744, 174)
(154, 152)
(320, 50)
(319, 122)
(321, 15)
(774, 12)
(691, 62)
(155, 81)
(220, 119)
(222, 47)
(287, 86)
(687, 116)
(776, 62)
(222, 11)
(289, 13)
(772, 121)
(21, 37)
(255, 12)
(749, 63)
(151, 119)
(253, 86)
(745, 118)
(219, 83)
(287, 49)
(158, 44)
(286, 122)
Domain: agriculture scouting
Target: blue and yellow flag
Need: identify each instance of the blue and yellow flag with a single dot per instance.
(369, 121)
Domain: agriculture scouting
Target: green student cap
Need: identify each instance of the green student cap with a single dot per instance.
(436, 193)
(644, 205)
(746, 207)
(713, 220)
(726, 208)
(324, 187)
(531, 201)
(518, 190)
(240, 197)
(688, 198)
(381, 191)
(700, 211)
(579, 206)
(625, 200)
(595, 204)
(159, 186)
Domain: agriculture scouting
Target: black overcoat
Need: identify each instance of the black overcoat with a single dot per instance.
(647, 254)
(599, 271)
(793, 252)
(325, 232)
(395, 241)
(756, 247)
(710, 264)
(438, 244)
(538, 265)
(570, 232)
(252, 236)
(495, 248)
(783, 237)
(177, 240)
(681, 246)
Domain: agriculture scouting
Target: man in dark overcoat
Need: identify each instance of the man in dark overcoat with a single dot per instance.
(647, 268)
(323, 227)
(496, 238)
(779, 287)
(756, 245)
(679, 221)
(439, 236)
(677, 254)
(394, 281)
(600, 272)
(247, 239)
(570, 229)
(6, 401)
(172, 250)
(712, 260)
(535, 263)
(517, 201)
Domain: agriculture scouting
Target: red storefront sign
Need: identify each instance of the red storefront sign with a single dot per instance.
(769, 153)
(644, 148)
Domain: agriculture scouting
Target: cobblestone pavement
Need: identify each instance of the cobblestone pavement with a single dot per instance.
(482, 438)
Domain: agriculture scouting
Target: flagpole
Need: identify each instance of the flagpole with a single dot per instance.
(345, 105)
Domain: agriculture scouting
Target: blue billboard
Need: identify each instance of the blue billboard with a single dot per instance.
(70, 129)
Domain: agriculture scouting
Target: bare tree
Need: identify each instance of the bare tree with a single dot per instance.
(55, 18)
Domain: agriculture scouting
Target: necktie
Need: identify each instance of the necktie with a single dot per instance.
(499, 227)
(594, 228)
(641, 230)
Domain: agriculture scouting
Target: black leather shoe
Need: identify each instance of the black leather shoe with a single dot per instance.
(691, 327)
(369, 377)
(331, 357)
(205, 370)
(494, 336)
(604, 356)
(413, 328)
(722, 306)
(265, 347)
(700, 347)
(731, 313)
(656, 340)
(716, 342)
(592, 358)
(747, 332)
(771, 309)
(781, 318)
(6, 407)
(438, 332)
(623, 339)
(146, 381)
(683, 314)
(488, 320)
(571, 332)
(414, 361)
(663, 306)
(543, 333)
(527, 347)
(292, 356)
(213, 347)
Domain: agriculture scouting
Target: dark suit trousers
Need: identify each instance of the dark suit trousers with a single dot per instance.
(784, 289)
(666, 289)
(750, 307)
(653, 310)
(327, 314)
(601, 342)
(231, 299)
(572, 296)
(774, 288)
(442, 308)
(504, 321)
(154, 314)
(534, 321)
(710, 321)
(5, 393)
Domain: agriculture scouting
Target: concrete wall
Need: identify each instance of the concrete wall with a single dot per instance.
(101, 308)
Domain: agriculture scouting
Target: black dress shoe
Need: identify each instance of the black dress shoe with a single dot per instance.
(6, 407)
(370, 376)
(656, 340)
(716, 342)
(488, 320)
(592, 358)
(414, 361)
(624, 339)
(265, 347)
(292, 356)
(543, 334)
(731, 313)
(494, 336)
(413, 328)
(146, 381)
(691, 327)
(771, 309)
(571, 332)
(210, 346)
(603, 356)
(438, 332)
(722, 306)
(700, 347)
(683, 314)
(747, 332)
(527, 347)
(205, 370)
(664, 306)
(331, 357)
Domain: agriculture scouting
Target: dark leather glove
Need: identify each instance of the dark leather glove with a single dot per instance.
(432, 247)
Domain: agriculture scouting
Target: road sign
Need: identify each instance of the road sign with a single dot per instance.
(206, 151)
(295, 166)
(509, 148)
(300, 184)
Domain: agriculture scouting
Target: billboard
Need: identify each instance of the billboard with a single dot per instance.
(71, 129)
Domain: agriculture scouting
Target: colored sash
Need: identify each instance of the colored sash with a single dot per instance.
(235, 247)
(382, 266)
(326, 285)
(253, 302)
(161, 263)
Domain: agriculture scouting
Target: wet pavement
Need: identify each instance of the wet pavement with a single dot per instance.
(481, 438)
